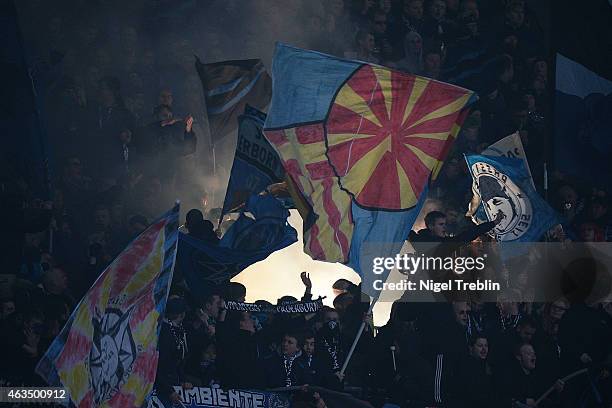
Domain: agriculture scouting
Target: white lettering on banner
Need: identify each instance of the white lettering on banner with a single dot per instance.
(206, 396)
(260, 153)
(298, 307)
(191, 395)
(510, 146)
(258, 401)
(222, 398)
(234, 398)
(215, 397)
(247, 397)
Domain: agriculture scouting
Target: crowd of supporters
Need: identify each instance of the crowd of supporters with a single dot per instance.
(126, 124)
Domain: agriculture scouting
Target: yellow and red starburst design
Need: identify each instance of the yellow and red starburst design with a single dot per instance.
(354, 136)
(386, 132)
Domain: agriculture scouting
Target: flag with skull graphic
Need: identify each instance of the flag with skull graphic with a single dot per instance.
(504, 184)
(106, 354)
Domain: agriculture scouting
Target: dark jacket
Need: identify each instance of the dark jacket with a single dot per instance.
(425, 242)
(237, 357)
(171, 140)
(548, 353)
(171, 364)
(513, 383)
(275, 372)
(161, 146)
(17, 366)
(329, 345)
(449, 244)
(474, 384)
(16, 222)
(583, 330)
(108, 124)
(319, 370)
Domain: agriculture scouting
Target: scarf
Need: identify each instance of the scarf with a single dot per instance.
(180, 337)
(508, 322)
(332, 349)
(310, 361)
(288, 364)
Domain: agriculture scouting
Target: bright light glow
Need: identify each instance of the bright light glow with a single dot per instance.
(279, 274)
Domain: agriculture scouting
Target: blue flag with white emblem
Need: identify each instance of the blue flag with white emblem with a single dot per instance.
(504, 184)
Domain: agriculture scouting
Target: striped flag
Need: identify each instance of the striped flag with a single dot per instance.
(228, 87)
(106, 354)
(360, 142)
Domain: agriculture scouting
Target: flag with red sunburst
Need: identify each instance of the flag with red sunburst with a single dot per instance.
(356, 134)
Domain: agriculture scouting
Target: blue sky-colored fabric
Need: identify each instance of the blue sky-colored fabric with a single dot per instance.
(303, 85)
(379, 234)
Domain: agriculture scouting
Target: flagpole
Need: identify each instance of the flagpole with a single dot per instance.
(214, 171)
(357, 337)
(214, 159)
(546, 181)
(51, 239)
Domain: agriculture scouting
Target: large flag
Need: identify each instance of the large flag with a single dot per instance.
(106, 354)
(583, 98)
(228, 87)
(583, 119)
(503, 184)
(261, 229)
(360, 142)
(20, 112)
(256, 163)
(477, 71)
(509, 146)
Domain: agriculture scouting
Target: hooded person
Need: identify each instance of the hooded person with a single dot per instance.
(413, 54)
(200, 228)
(495, 199)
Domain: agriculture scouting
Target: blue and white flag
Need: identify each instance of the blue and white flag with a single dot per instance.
(583, 119)
(509, 146)
(256, 164)
(504, 184)
(261, 229)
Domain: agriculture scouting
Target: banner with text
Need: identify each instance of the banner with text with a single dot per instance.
(297, 307)
(213, 397)
(256, 164)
